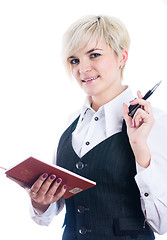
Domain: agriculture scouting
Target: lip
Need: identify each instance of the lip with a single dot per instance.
(90, 79)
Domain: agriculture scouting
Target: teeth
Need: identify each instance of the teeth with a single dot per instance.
(90, 79)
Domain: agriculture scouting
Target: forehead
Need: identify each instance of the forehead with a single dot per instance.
(90, 46)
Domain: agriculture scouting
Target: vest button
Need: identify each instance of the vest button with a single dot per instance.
(96, 118)
(146, 194)
(87, 143)
(84, 230)
(79, 165)
(82, 209)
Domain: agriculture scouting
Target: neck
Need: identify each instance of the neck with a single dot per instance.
(98, 101)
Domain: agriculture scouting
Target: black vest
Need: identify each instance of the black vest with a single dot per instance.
(111, 210)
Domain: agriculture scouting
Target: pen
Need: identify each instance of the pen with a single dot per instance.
(133, 108)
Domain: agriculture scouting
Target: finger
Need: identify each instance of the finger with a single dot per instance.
(139, 94)
(54, 187)
(141, 116)
(60, 193)
(53, 191)
(138, 118)
(37, 185)
(46, 185)
(125, 115)
(148, 109)
(145, 104)
(140, 101)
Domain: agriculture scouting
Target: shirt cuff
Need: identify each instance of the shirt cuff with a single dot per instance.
(45, 218)
(151, 180)
(139, 168)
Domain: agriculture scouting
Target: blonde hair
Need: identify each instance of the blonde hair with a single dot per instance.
(91, 28)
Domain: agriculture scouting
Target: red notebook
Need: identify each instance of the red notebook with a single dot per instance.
(30, 169)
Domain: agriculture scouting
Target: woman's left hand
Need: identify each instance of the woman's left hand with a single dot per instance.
(138, 129)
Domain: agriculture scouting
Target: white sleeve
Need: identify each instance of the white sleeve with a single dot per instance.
(152, 181)
(46, 218)
(55, 208)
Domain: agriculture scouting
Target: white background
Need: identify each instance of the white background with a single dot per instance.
(36, 96)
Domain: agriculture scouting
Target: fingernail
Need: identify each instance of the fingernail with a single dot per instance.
(65, 186)
(131, 124)
(45, 175)
(132, 100)
(58, 180)
(52, 177)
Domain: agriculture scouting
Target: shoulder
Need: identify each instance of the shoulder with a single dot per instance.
(160, 126)
(159, 115)
(72, 117)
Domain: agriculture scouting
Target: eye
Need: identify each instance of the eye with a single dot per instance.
(74, 61)
(95, 55)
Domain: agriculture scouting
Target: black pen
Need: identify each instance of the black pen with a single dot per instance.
(133, 108)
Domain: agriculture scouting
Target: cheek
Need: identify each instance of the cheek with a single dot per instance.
(74, 72)
(109, 65)
(106, 69)
(112, 66)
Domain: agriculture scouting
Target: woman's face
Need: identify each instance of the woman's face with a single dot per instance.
(96, 68)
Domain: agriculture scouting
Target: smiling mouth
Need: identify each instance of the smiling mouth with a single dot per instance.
(90, 79)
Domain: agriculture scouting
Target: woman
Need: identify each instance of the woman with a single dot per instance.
(122, 156)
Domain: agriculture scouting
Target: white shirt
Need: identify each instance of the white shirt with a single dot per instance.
(94, 127)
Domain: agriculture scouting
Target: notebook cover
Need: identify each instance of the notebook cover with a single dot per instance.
(30, 169)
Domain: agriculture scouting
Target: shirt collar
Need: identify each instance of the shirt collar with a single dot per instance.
(111, 110)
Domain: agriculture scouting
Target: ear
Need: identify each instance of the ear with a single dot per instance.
(123, 57)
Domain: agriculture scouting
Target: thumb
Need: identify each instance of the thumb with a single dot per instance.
(128, 119)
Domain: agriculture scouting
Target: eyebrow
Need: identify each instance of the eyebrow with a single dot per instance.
(94, 49)
(90, 51)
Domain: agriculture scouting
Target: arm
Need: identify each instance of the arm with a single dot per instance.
(43, 212)
(46, 218)
(151, 177)
(153, 196)
(45, 191)
(138, 129)
(46, 196)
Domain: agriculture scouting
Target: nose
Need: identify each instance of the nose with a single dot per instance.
(84, 66)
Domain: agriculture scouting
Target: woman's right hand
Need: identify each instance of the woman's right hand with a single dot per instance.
(46, 190)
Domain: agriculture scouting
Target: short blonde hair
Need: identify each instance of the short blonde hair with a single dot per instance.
(91, 28)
